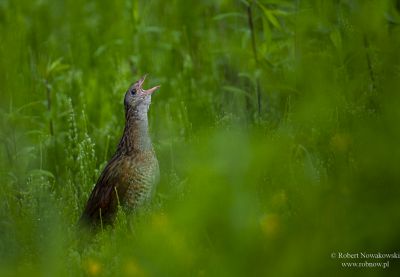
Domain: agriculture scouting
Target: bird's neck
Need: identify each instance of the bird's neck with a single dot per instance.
(136, 137)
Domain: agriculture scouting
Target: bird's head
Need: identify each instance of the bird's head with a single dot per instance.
(138, 99)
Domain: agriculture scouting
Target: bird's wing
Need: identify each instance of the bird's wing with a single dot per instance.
(110, 187)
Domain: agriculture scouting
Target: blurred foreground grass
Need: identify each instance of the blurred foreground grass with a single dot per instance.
(273, 154)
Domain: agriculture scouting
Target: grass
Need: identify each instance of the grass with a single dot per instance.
(276, 130)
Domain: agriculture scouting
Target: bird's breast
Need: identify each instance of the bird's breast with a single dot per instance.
(143, 175)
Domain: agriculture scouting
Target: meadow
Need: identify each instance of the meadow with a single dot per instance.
(276, 128)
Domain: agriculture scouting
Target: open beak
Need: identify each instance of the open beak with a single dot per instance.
(141, 81)
(146, 91)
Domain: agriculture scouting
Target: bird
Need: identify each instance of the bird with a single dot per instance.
(129, 178)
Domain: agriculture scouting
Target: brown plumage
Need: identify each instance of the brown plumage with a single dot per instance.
(130, 176)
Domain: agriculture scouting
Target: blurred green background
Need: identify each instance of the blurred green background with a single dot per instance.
(276, 128)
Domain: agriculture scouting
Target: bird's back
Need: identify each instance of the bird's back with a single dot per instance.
(127, 180)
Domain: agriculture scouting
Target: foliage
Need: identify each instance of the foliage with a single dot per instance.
(276, 129)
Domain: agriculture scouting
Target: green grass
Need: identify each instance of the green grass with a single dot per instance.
(273, 154)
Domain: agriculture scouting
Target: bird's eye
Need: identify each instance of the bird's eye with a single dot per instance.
(133, 91)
